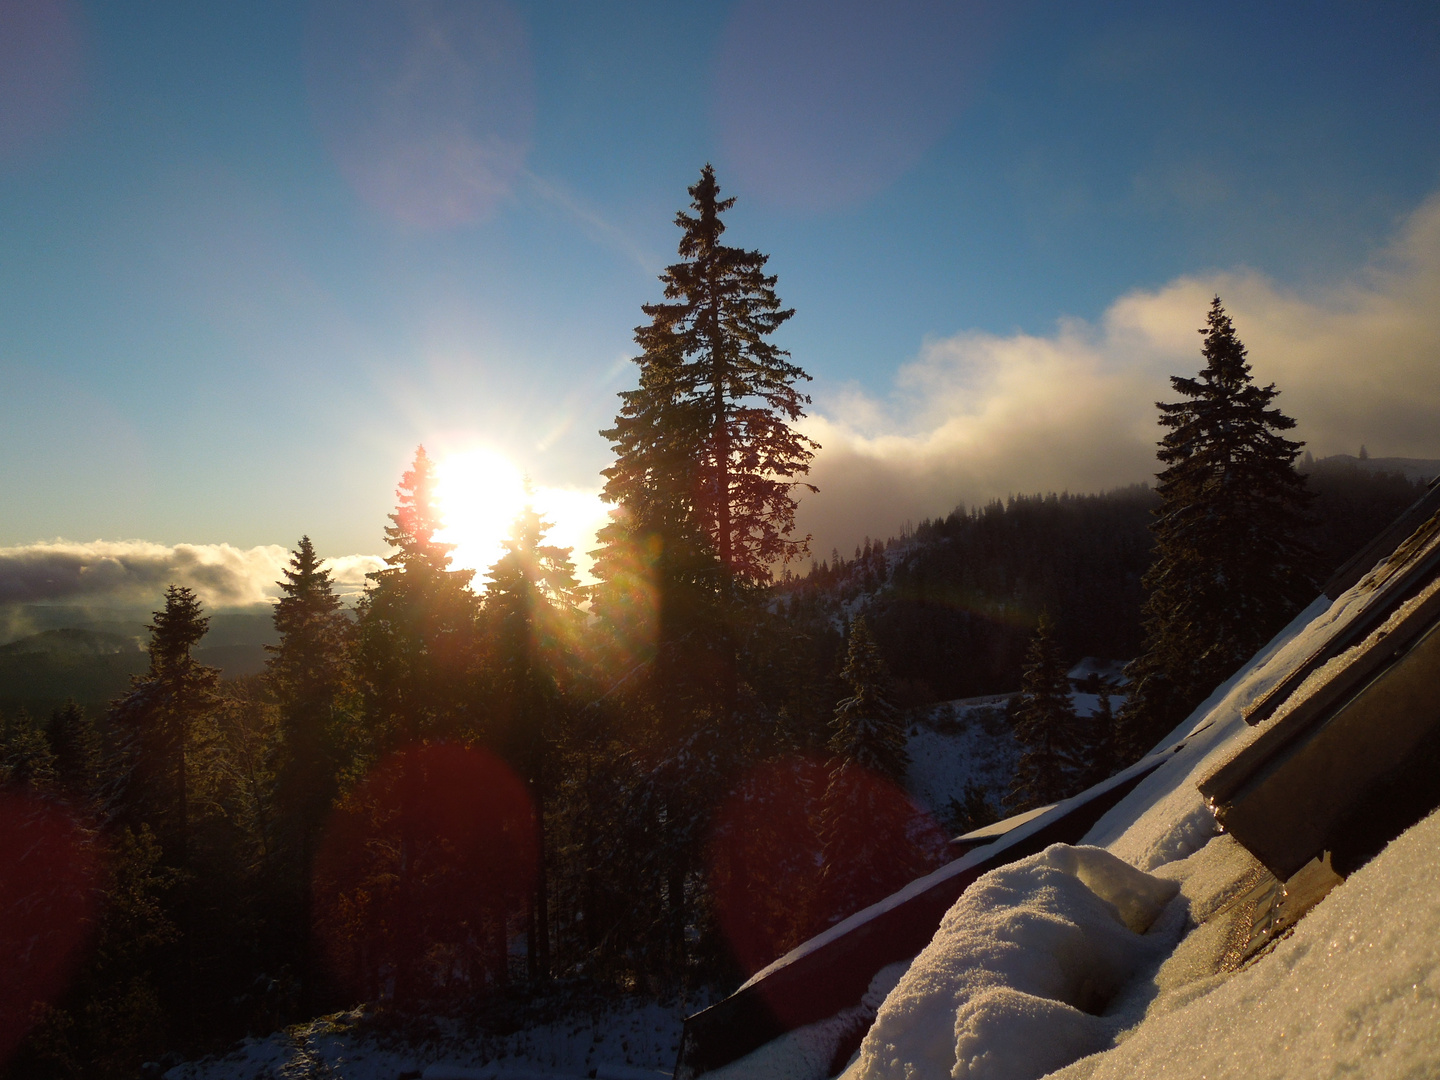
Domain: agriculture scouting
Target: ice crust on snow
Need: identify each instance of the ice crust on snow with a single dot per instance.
(1009, 986)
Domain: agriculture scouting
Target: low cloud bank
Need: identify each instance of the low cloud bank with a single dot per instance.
(980, 416)
(136, 571)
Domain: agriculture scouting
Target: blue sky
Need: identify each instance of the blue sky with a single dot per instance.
(243, 274)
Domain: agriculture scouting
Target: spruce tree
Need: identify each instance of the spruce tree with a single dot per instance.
(1229, 566)
(873, 838)
(26, 758)
(868, 731)
(1050, 735)
(156, 724)
(706, 468)
(76, 746)
(415, 625)
(534, 601)
(712, 417)
(308, 676)
(414, 661)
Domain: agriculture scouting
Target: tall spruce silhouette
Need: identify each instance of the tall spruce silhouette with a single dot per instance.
(707, 466)
(154, 726)
(414, 661)
(712, 418)
(308, 675)
(415, 624)
(1229, 566)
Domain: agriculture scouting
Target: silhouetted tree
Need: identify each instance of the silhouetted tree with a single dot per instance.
(1230, 568)
(75, 743)
(868, 729)
(1046, 727)
(26, 760)
(720, 400)
(415, 625)
(874, 839)
(706, 464)
(155, 724)
(308, 676)
(534, 600)
(416, 640)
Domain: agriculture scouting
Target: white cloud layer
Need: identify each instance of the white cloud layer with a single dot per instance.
(137, 571)
(979, 416)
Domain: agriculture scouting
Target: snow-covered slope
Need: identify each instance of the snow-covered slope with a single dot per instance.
(1036, 970)
(960, 743)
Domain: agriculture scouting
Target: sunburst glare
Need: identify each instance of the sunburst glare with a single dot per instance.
(481, 492)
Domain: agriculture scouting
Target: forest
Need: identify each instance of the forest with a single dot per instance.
(473, 796)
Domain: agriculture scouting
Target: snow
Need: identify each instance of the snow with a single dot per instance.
(1001, 990)
(1016, 835)
(807, 1052)
(959, 743)
(632, 1041)
(1354, 991)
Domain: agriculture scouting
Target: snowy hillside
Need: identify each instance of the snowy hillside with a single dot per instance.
(960, 743)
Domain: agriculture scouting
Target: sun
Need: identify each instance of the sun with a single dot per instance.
(481, 492)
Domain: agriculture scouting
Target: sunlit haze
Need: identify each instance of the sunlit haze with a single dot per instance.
(481, 492)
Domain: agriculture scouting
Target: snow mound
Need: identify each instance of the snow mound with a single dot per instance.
(1010, 984)
(1354, 991)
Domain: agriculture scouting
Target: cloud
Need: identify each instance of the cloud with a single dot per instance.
(137, 571)
(979, 416)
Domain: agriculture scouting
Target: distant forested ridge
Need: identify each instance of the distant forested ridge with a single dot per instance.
(952, 604)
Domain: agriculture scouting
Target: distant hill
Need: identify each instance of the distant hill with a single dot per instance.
(1422, 470)
(72, 641)
(952, 604)
(93, 652)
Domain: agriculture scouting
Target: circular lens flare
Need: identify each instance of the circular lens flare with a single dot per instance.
(48, 878)
(424, 870)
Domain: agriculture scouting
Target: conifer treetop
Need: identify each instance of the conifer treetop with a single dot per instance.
(868, 728)
(413, 526)
(1229, 567)
(705, 443)
(177, 628)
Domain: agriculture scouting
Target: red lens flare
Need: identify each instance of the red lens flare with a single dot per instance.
(48, 880)
(424, 868)
(799, 845)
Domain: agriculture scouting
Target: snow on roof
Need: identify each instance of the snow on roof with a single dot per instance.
(995, 830)
(1355, 989)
